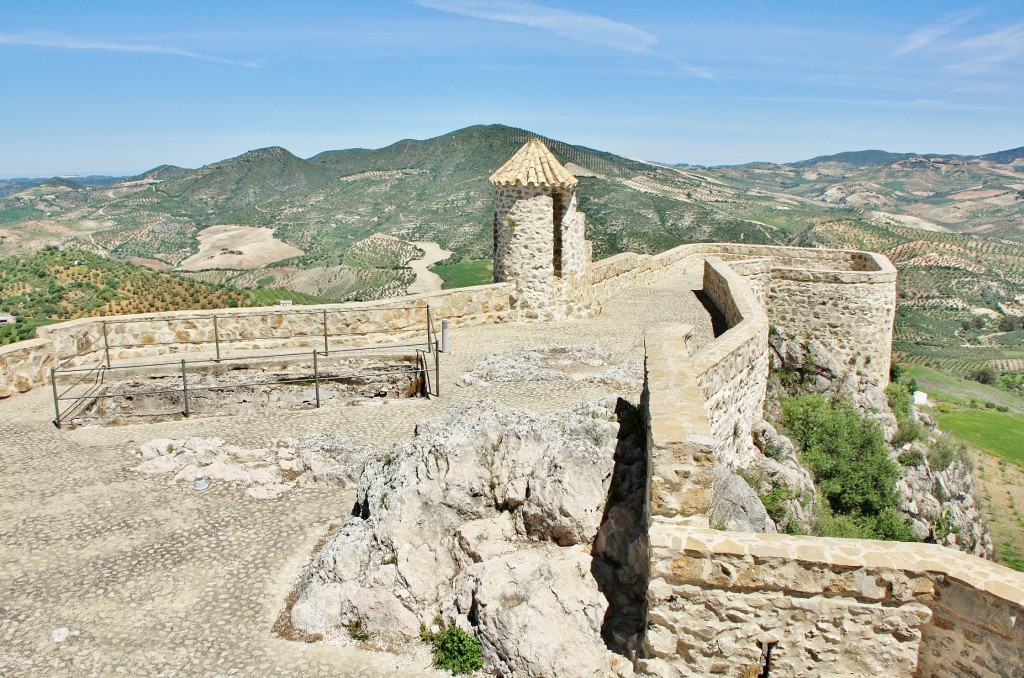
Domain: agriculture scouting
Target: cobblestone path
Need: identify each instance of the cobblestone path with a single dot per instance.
(104, 571)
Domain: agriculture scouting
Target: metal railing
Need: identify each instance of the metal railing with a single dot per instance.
(77, 388)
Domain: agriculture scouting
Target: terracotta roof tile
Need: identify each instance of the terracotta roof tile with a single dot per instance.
(533, 165)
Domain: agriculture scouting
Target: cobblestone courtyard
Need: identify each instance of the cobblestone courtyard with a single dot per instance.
(106, 571)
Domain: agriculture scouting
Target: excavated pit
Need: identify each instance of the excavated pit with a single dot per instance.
(248, 389)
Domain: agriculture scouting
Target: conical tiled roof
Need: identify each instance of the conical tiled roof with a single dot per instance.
(533, 165)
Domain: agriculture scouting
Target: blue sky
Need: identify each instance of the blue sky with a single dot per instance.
(118, 87)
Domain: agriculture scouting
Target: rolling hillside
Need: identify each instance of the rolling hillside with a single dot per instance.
(53, 285)
(953, 224)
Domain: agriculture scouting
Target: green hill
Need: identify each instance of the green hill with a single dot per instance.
(1005, 157)
(874, 157)
(856, 158)
(203, 194)
(159, 173)
(437, 189)
(52, 285)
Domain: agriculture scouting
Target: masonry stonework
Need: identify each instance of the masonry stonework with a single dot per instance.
(719, 602)
(732, 371)
(539, 239)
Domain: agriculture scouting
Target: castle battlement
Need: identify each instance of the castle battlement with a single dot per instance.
(718, 601)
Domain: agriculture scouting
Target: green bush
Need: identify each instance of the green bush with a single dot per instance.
(901, 404)
(907, 431)
(357, 631)
(985, 375)
(775, 501)
(900, 400)
(943, 451)
(454, 649)
(910, 458)
(850, 462)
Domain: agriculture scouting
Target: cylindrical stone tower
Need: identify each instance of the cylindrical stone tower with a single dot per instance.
(538, 233)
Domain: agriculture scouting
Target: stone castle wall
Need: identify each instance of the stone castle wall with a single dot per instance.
(718, 600)
(525, 251)
(844, 298)
(26, 365)
(732, 371)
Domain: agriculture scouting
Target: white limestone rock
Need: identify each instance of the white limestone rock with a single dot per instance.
(539, 613)
(485, 506)
(941, 503)
(267, 473)
(577, 362)
(735, 505)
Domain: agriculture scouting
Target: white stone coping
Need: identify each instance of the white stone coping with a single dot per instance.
(752, 324)
(910, 558)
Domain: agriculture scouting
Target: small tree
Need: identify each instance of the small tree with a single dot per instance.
(986, 375)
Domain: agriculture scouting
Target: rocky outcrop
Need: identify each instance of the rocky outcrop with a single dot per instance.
(814, 369)
(735, 505)
(577, 362)
(267, 472)
(940, 501)
(512, 524)
(938, 498)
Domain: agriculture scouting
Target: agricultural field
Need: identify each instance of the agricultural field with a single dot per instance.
(991, 422)
(1000, 485)
(998, 433)
(466, 273)
(54, 285)
(943, 387)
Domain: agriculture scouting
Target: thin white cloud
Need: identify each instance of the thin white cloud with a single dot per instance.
(60, 41)
(929, 34)
(574, 25)
(990, 49)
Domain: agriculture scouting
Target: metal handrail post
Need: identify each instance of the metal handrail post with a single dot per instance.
(184, 385)
(56, 399)
(437, 370)
(428, 328)
(106, 343)
(216, 337)
(326, 348)
(316, 378)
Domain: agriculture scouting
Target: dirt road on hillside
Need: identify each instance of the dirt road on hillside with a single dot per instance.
(427, 280)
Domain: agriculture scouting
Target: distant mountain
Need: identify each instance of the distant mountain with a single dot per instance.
(1005, 157)
(158, 173)
(9, 186)
(239, 182)
(472, 151)
(856, 158)
(61, 183)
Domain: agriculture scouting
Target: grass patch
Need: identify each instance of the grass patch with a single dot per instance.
(997, 433)
(465, 273)
(946, 387)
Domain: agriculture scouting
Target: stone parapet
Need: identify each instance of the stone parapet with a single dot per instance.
(844, 298)
(720, 602)
(828, 606)
(732, 370)
(25, 365)
(680, 447)
(86, 341)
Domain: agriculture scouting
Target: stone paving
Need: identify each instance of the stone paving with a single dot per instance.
(105, 571)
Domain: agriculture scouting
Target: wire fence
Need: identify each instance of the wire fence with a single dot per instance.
(76, 389)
